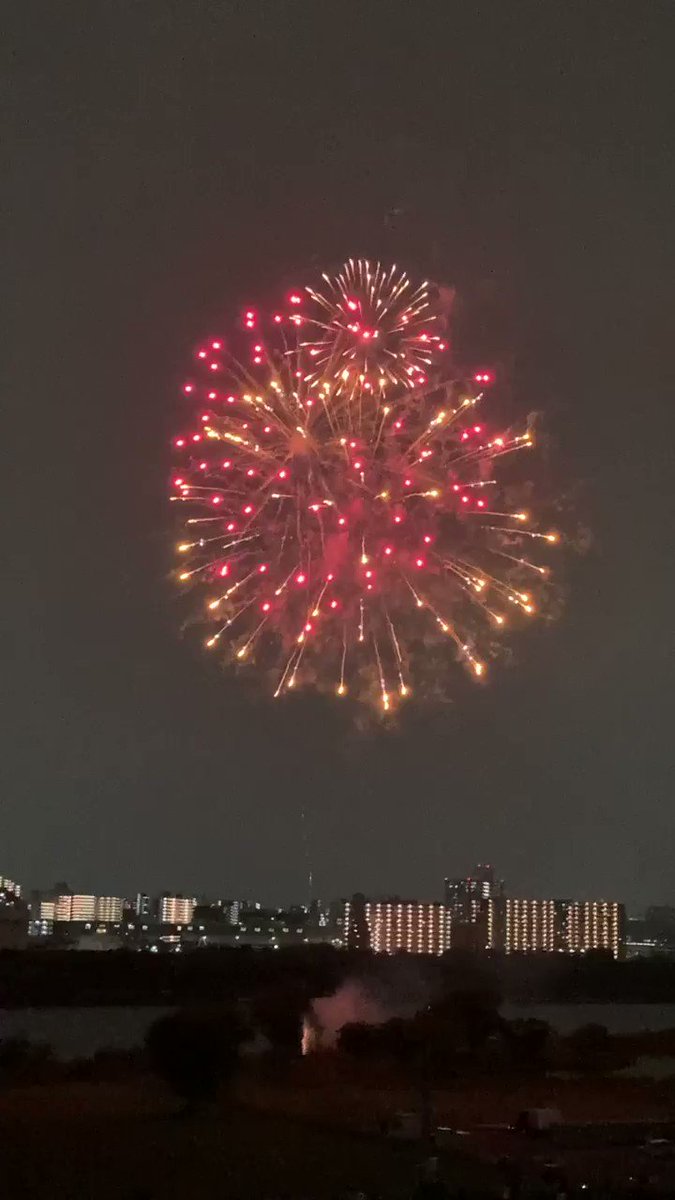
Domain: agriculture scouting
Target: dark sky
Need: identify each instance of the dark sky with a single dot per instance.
(169, 161)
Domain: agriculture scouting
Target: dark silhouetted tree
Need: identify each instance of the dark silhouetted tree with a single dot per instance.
(529, 1043)
(590, 1048)
(195, 1053)
(359, 1040)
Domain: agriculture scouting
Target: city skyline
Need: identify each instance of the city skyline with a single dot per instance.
(477, 914)
(478, 920)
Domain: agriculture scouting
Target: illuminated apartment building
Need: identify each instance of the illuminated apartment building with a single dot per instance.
(398, 925)
(109, 908)
(594, 925)
(355, 925)
(176, 910)
(465, 897)
(42, 918)
(474, 909)
(567, 926)
(529, 926)
(89, 909)
(75, 908)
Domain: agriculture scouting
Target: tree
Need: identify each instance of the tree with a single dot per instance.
(276, 1010)
(461, 1022)
(590, 1047)
(529, 1043)
(359, 1040)
(195, 1053)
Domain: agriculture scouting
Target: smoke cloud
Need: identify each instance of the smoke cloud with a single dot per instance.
(398, 991)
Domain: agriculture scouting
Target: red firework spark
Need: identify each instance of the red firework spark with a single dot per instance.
(345, 514)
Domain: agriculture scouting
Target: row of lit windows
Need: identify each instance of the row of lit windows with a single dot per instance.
(530, 924)
(82, 908)
(565, 926)
(418, 928)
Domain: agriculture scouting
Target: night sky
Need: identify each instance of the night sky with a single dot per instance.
(169, 162)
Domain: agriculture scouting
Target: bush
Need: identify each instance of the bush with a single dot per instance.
(195, 1053)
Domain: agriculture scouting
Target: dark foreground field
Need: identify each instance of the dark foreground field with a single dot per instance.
(305, 1140)
(86, 1141)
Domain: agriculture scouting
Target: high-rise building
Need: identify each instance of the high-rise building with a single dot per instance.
(109, 908)
(83, 908)
(14, 916)
(494, 923)
(480, 932)
(176, 910)
(567, 926)
(75, 908)
(593, 925)
(470, 903)
(42, 917)
(398, 925)
(530, 926)
(234, 911)
(336, 913)
(142, 905)
(465, 897)
(356, 925)
(484, 876)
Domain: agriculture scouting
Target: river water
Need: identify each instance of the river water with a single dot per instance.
(80, 1032)
(619, 1018)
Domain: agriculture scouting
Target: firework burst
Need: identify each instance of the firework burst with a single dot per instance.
(348, 517)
